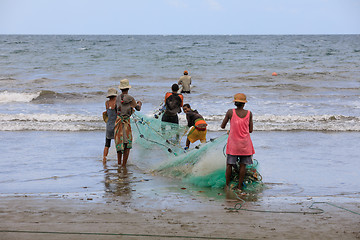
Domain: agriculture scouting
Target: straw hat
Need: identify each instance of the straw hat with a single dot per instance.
(112, 92)
(124, 83)
(240, 97)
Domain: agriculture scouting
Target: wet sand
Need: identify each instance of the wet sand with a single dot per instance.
(150, 212)
(69, 195)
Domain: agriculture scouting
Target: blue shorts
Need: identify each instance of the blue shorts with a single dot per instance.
(232, 159)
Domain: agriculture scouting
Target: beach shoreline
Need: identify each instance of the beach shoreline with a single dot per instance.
(158, 216)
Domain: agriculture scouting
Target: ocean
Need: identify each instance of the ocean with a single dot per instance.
(306, 119)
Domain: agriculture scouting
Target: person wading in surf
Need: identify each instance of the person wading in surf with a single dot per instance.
(123, 135)
(239, 145)
(185, 81)
(110, 124)
(173, 104)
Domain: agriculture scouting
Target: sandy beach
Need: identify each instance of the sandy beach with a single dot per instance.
(164, 215)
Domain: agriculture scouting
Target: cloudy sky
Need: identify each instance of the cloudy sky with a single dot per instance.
(180, 17)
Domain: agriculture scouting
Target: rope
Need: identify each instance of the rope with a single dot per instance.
(238, 206)
(224, 150)
(116, 234)
(183, 136)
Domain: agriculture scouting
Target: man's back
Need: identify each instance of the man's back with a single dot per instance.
(173, 103)
(185, 81)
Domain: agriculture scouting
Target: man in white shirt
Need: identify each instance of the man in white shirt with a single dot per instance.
(185, 81)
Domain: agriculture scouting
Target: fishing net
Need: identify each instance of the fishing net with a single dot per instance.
(152, 131)
(202, 166)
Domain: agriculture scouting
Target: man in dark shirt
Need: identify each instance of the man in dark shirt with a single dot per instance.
(173, 104)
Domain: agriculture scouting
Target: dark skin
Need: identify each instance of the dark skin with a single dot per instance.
(240, 112)
(124, 156)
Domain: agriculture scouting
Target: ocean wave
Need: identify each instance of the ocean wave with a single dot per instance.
(78, 122)
(7, 79)
(7, 97)
(50, 122)
(270, 122)
(44, 96)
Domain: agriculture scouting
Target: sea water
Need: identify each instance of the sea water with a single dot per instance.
(306, 119)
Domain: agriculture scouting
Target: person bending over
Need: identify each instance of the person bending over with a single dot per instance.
(197, 126)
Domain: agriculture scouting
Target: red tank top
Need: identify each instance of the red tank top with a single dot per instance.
(239, 141)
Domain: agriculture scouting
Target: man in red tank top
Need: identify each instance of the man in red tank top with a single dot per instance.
(239, 147)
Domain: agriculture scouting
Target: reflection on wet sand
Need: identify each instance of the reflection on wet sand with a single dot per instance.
(117, 181)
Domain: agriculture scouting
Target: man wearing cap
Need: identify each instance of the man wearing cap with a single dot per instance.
(239, 146)
(125, 108)
(185, 81)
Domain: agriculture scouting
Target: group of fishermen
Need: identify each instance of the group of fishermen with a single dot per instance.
(120, 107)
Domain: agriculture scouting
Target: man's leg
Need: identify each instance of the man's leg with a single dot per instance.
(119, 156)
(228, 174)
(126, 155)
(106, 151)
(241, 175)
(187, 142)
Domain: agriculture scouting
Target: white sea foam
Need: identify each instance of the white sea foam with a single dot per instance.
(270, 122)
(78, 122)
(7, 97)
(50, 122)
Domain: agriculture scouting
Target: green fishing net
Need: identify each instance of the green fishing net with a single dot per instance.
(202, 166)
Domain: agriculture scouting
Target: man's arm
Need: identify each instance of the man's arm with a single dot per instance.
(182, 99)
(251, 123)
(137, 105)
(226, 118)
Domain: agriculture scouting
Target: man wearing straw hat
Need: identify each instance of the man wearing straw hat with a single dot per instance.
(123, 135)
(239, 145)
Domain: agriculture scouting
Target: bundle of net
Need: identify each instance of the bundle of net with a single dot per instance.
(203, 166)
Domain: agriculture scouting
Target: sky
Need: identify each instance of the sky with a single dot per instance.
(167, 17)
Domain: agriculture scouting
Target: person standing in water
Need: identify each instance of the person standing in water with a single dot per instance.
(110, 124)
(185, 81)
(239, 145)
(173, 103)
(123, 135)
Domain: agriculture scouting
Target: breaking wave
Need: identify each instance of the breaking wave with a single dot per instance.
(78, 122)
(44, 96)
(271, 122)
(7, 97)
(50, 122)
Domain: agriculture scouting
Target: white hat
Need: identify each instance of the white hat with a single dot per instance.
(124, 83)
(112, 92)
